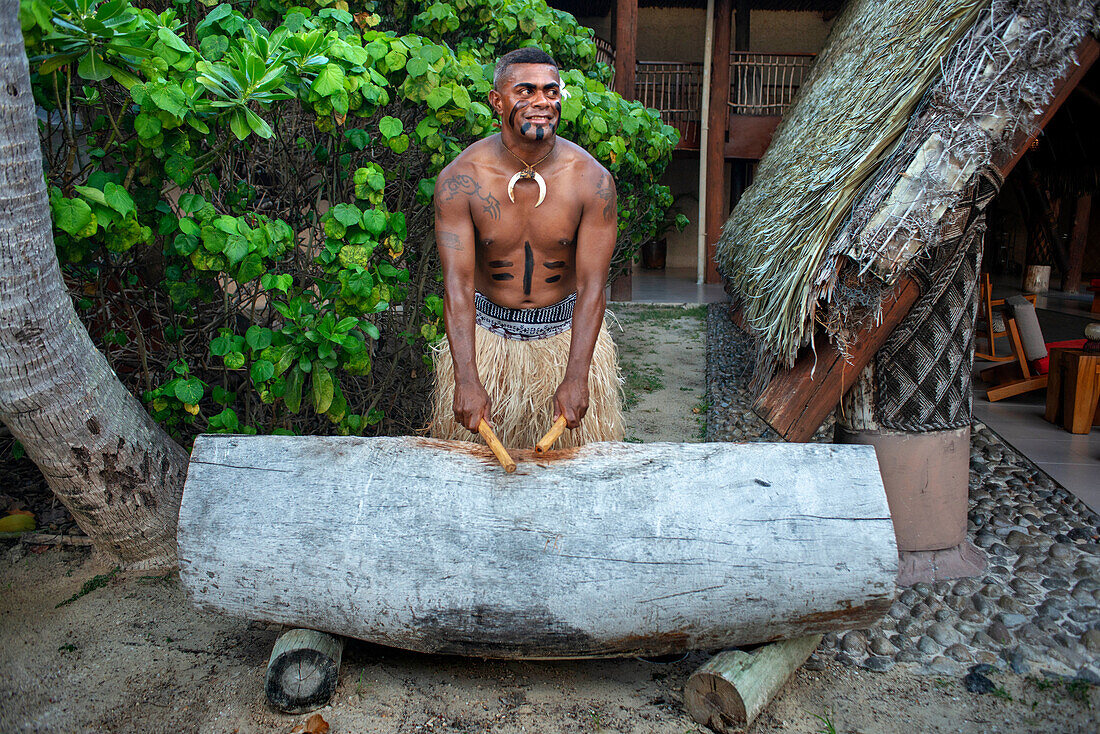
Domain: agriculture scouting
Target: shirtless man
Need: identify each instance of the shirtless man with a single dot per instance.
(525, 227)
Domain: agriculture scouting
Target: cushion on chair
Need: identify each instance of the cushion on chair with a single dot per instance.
(1042, 366)
(1028, 325)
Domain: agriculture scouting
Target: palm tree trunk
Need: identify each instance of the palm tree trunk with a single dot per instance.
(118, 473)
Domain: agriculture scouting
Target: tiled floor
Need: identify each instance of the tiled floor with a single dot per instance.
(1071, 460)
(673, 285)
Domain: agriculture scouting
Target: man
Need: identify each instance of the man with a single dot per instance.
(525, 227)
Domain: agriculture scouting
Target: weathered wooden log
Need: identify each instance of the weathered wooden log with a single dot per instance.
(731, 690)
(303, 670)
(609, 549)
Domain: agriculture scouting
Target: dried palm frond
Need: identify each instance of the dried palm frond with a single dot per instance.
(877, 64)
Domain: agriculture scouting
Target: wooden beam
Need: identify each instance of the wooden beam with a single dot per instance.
(716, 136)
(1087, 53)
(626, 63)
(741, 28)
(626, 45)
(797, 401)
(1077, 243)
(750, 135)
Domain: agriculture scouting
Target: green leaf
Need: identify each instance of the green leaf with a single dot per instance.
(372, 331)
(220, 346)
(118, 198)
(180, 168)
(91, 193)
(374, 221)
(399, 144)
(292, 396)
(236, 247)
(390, 127)
(169, 97)
(329, 80)
(258, 125)
(439, 97)
(226, 420)
(321, 388)
(346, 214)
(417, 67)
(189, 391)
(359, 139)
(262, 371)
(270, 281)
(171, 40)
(72, 215)
(93, 68)
(461, 97)
(251, 267)
(147, 125)
(258, 337)
(238, 123)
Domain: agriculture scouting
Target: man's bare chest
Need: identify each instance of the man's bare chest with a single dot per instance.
(500, 221)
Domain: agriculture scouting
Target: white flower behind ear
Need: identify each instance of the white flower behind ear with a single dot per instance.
(565, 93)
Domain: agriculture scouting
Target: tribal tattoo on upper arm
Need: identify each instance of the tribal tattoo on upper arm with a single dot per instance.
(606, 191)
(463, 184)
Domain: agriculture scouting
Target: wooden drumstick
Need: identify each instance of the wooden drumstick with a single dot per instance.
(552, 435)
(497, 447)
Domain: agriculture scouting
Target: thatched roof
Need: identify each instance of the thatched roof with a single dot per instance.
(857, 179)
(600, 8)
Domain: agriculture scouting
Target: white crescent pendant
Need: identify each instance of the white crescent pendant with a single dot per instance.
(536, 177)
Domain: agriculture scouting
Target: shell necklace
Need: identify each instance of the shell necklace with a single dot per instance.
(529, 173)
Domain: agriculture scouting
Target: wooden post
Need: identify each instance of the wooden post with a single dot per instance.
(303, 670)
(733, 688)
(717, 124)
(1078, 239)
(626, 63)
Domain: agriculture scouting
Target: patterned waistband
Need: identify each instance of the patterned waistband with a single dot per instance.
(524, 324)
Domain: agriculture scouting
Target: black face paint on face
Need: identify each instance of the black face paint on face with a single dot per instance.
(503, 276)
(540, 132)
(553, 278)
(500, 263)
(528, 267)
(525, 127)
(515, 108)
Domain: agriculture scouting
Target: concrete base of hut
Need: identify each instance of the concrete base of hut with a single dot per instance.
(926, 480)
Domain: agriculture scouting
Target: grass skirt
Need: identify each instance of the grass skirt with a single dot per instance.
(521, 377)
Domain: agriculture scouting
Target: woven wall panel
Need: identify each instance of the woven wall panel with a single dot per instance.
(923, 373)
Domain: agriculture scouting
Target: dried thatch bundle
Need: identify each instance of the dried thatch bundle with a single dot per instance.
(841, 183)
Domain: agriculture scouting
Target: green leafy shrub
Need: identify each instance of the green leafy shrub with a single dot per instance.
(242, 193)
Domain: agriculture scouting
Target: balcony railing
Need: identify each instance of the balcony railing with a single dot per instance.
(766, 84)
(761, 85)
(674, 89)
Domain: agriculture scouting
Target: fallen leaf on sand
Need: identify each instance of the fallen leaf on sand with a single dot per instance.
(314, 725)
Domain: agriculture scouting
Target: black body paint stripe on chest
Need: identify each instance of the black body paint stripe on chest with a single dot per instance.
(528, 267)
(503, 276)
(554, 278)
(500, 263)
(555, 265)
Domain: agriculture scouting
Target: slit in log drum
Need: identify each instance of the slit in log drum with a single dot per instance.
(611, 549)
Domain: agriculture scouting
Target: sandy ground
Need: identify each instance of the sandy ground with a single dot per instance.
(133, 656)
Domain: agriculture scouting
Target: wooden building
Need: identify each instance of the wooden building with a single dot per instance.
(722, 72)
